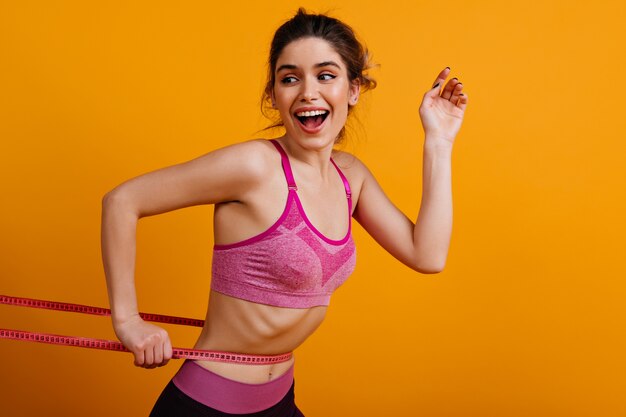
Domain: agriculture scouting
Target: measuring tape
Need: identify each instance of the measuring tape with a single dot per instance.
(87, 342)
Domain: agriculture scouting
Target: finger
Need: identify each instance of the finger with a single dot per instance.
(139, 358)
(454, 99)
(158, 354)
(462, 104)
(447, 91)
(154, 364)
(442, 76)
(149, 353)
(167, 350)
(432, 93)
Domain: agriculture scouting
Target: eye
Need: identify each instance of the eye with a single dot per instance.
(288, 80)
(326, 77)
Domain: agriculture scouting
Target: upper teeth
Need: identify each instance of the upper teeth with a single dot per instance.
(311, 113)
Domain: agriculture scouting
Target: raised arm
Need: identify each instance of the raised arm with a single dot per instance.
(226, 174)
(423, 245)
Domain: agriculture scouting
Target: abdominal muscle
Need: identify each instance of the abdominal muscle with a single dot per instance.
(235, 325)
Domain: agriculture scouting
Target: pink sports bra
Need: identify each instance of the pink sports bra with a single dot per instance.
(291, 264)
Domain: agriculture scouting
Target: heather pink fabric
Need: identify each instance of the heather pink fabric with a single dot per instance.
(291, 264)
(228, 395)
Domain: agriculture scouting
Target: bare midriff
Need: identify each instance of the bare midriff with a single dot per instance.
(236, 325)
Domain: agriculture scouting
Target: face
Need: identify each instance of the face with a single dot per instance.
(312, 92)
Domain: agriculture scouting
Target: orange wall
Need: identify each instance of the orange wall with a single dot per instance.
(526, 320)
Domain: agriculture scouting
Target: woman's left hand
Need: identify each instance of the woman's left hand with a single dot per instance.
(442, 109)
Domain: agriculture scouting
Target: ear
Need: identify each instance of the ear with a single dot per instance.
(353, 93)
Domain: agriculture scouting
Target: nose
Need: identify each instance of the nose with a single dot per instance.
(309, 90)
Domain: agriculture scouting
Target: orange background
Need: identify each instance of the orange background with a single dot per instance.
(526, 320)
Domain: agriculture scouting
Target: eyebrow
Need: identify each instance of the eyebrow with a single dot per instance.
(319, 65)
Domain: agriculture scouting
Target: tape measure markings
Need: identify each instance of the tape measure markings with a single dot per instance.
(98, 311)
(87, 342)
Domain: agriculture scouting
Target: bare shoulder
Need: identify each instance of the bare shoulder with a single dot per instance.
(247, 162)
(354, 169)
(253, 157)
(225, 174)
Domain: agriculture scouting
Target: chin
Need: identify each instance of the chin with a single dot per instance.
(307, 140)
(313, 142)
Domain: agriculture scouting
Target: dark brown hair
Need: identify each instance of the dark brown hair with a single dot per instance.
(338, 34)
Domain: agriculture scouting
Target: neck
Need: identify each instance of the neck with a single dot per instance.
(314, 154)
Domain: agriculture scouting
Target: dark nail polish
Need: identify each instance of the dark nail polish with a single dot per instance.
(448, 67)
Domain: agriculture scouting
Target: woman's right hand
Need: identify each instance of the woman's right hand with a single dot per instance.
(149, 343)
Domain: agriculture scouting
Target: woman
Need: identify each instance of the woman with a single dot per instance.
(283, 239)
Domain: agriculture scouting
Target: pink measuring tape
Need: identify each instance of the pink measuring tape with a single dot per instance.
(87, 342)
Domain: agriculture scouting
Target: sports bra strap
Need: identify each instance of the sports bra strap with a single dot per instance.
(346, 184)
(289, 174)
(291, 182)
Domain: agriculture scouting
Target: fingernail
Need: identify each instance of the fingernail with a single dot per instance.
(436, 85)
(448, 67)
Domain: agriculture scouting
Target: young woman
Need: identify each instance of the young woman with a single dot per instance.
(283, 212)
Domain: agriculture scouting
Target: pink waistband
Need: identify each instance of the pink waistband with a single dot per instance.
(227, 395)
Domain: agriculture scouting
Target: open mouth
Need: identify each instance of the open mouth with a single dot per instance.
(312, 120)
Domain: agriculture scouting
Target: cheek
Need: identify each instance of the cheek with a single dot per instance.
(280, 96)
(340, 91)
(341, 96)
(283, 101)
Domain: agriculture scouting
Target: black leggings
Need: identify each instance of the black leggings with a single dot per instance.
(174, 403)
